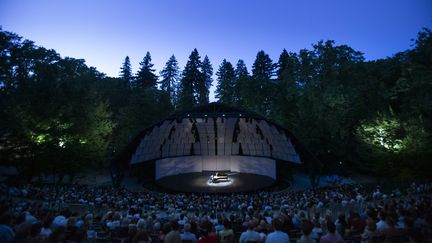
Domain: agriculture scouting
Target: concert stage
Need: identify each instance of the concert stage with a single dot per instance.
(181, 152)
(199, 182)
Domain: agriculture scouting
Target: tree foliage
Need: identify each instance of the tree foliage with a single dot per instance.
(203, 87)
(192, 78)
(59, 114)
(126, 72)
(225, 90)
(261, 82)
(170, 76)
(145, 77)
(55, 117)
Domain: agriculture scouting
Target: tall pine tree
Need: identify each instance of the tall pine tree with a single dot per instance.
(284, 102)
(203, 87)
(225, 90)
(145, 77)
(262, 72)
(126, 72)
(242, 82)
(170, 76)
(191, 76)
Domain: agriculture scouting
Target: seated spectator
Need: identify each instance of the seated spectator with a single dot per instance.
(22, 232)
(391, 231)
(6, 232)
(227, 234)
(183, 220)
(317, 227)
(141, 224)
(356, 223)
(369, 231)
(332, 236)
(46, 228)
(173, 236)
(58, 235)
(278, 236)
(381, 224)
(141, 237)
(250, 235)
(80, 235)
(35, 231)
(71, 229)
(166, 228)
(123, 230)
(308, 236)
(187, 235)
(298, 219)
(59, 221)
(262, 230)
(341, 224)
(206, 233)
(414, 234)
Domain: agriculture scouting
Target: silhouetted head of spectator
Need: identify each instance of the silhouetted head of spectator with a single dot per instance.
(174, 225)
(382, 215)
(371, 213)
(371, 224)
(391, 221)
(187, 227)
(331, 227)
(166, 228)
(342, 220)
(205, 227)
(252, 224)
(307, 227)
(141, 236)
(58, 234)
(278, 223)
(226, 224)
(35, 229)
(22, 231)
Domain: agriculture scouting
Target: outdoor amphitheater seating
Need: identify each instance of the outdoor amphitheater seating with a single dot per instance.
(109, 212)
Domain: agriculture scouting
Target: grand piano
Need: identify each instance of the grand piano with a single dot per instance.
(219, 177)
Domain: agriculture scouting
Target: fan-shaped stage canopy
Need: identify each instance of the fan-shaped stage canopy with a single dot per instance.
(214, 130)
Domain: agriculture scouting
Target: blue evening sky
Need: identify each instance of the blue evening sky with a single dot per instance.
(103, 32)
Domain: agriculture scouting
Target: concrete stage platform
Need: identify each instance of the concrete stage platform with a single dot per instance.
(199, 182)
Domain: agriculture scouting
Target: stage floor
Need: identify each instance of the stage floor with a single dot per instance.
(199, 182)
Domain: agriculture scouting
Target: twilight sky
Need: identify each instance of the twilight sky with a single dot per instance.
(103, 32)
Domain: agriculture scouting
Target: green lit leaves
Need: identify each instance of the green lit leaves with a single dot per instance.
(384, 132)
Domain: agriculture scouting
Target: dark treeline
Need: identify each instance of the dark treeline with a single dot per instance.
(58, 114)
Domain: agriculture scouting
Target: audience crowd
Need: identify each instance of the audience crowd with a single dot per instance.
(345, 213)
